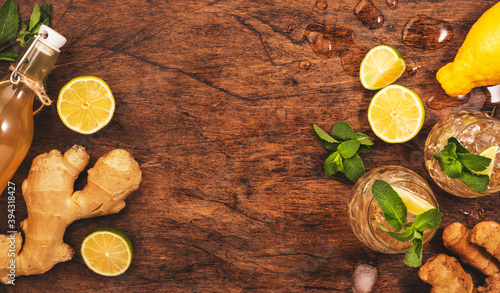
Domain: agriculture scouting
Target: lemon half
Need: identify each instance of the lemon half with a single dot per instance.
(86, 104)
(396, 114)
(381, 66)
(107, 252)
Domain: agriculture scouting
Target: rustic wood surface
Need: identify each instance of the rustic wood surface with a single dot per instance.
(212, 103)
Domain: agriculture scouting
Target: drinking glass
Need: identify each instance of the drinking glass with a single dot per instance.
(365, 214)
(474, 130)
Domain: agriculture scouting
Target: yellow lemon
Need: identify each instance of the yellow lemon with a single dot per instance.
(477, 62)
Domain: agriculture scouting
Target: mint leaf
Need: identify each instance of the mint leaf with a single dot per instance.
(395, 214)
(364, 139)
(450, 166)
(346, 145)
(454, 155)
(363, 149)
(44, 18)
(478, 183)
(474, 162)
(427, 220)
(390, 202)
(450, 150)
(9, 22)
(413, 256)
(30, 27)
(404, 236)
(460, 148)
(326, 140)
(343, 131)
(9, 54)
(348, 148)
(35, 16)
(448, 160)
(353, 167)
(333, 164)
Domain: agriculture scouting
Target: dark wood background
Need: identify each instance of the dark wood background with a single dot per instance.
(213, 105)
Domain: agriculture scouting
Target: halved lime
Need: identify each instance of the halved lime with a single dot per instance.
(107, 252)
(415, 205)
(396, 114)
(86, 104)
(381, 66)
(491, 153)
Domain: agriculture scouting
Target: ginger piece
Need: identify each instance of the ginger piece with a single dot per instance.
(446, 275)
(456, 238)
(52, 205)
(491, 284)
(487, 235)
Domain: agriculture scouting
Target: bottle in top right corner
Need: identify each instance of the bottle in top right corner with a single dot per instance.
(479, 134)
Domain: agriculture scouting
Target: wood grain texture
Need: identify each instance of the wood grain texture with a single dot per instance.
(212, 104)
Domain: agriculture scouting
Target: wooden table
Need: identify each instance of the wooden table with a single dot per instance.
(212, 103)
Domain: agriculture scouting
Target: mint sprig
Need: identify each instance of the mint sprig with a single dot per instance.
(9, 27)
(395, 214)
(346, 146)
(458, 162)
(30, 26)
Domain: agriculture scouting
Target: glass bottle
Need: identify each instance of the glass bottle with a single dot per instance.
(474, 130)
(365, 214)
(16, 99)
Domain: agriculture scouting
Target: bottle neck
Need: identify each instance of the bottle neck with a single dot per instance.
(39, 61)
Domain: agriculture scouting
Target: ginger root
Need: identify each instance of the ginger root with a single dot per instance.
(457, 238)
(52, 205)
(491, 284)
(445, 274)
(487, 235)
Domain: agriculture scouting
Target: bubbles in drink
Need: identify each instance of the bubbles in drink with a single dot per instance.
(480, 135)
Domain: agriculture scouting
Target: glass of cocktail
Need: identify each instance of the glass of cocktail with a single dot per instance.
(365, 214)
(477, 132)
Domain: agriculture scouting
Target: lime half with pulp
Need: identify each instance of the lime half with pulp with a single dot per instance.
(396, 114)
(86, 104)
(381, 66)
(107, 252)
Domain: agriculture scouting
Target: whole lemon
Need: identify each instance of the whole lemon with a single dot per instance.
(478, 60)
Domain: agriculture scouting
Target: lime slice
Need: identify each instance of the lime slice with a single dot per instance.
(491, 153)
(86, 104)
(381, 66)
(107, 252)
(415, 205)
(396, 114)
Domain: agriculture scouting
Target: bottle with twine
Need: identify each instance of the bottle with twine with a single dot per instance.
(17, 93)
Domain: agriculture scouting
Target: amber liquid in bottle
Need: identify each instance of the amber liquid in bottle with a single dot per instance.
(16, 108)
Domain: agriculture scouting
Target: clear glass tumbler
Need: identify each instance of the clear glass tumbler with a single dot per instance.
(474, 130)
(365, 214)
